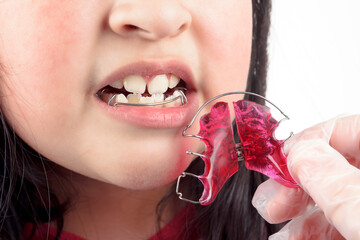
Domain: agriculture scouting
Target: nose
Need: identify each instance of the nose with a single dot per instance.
(149, 19)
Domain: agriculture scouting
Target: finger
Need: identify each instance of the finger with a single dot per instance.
(345, 138)
(320, 131)
(312, 225)
(277, 203)
(331, 181)
(343, 134)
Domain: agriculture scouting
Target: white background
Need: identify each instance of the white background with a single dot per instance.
(314, 62)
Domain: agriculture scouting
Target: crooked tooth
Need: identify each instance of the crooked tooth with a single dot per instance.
(173, 81)
(176, 93)
(118, 84)
(120, 98)
(134, 98)
(158, 84)
(173, 103)
(135, 84)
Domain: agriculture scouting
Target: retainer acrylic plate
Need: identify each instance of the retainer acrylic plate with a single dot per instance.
(258, 147)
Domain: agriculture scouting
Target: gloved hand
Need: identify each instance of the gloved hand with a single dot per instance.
(324, 160)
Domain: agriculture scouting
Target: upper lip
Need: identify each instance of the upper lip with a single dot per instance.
(152, 68)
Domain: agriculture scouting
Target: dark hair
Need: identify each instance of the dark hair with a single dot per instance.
(26, 196)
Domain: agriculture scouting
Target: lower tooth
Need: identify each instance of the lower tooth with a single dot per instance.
(177, 93)
(146, 100)
(175, 103)
(120, 98)
(134, 98)
(158, 97)
(169, 98)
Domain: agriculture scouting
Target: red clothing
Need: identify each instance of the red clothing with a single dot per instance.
(169, 232)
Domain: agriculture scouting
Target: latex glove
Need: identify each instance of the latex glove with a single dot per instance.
(324, 161)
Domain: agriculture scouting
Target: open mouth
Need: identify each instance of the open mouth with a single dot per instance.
(164, 90)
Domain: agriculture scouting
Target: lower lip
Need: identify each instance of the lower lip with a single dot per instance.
(152, 117)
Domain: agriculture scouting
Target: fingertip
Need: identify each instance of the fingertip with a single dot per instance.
(259, 202)
(277, 203)
(310, 163)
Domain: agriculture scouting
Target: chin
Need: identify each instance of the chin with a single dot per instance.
(147, 170)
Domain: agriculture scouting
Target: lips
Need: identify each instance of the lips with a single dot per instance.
(152, 117)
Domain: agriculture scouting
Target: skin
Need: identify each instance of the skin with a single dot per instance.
(55, 53)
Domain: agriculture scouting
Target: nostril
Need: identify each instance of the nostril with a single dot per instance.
(183, 27)
(130, 27)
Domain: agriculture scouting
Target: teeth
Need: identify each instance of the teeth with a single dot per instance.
(146, 100)
(134, 84)
(174, 103)
(134, 98)
(118, 84)
(158, 97)
(158, 84)
(169, 97)
(173, 81)
(120, 98)
(176, 93)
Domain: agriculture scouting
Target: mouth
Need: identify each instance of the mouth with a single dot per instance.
(150, 94)
(164, 90)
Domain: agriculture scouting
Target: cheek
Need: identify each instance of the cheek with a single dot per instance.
(226, 37)
(44, 58)
(42, 50)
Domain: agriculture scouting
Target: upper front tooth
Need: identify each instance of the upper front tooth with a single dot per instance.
(118, 84)
(135, 84)
(173, 81)
(158, 84)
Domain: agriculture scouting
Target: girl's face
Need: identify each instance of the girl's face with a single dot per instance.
(58, 54)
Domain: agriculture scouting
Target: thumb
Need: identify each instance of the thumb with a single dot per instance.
(331, 182)
(311, 225)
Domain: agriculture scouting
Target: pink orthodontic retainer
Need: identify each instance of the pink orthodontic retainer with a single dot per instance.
(258, 146)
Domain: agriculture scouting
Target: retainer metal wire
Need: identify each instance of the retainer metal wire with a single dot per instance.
(181, 91)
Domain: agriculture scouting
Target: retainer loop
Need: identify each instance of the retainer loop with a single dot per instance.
(184, 174)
